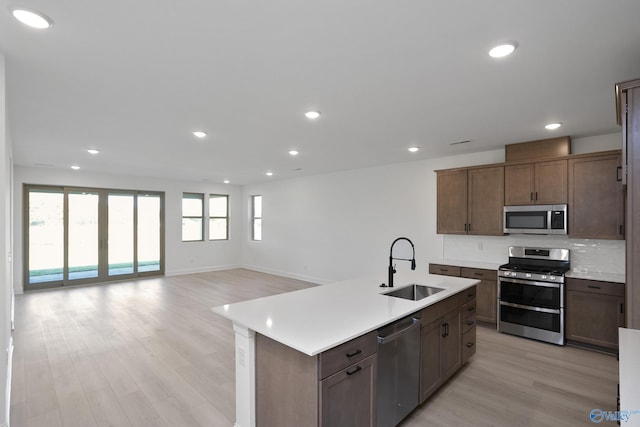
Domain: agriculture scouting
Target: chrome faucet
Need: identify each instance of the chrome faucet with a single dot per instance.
(392, 268)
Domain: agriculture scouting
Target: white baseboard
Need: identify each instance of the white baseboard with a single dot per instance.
(312, 279)
(5, 423)
(200, 270)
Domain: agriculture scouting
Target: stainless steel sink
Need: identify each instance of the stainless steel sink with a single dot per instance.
(414, 292)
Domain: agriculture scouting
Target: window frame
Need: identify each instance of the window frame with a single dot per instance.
(226, 217)
(255, 218)
(189, 195)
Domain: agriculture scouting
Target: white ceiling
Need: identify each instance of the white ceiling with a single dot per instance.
(134, 78)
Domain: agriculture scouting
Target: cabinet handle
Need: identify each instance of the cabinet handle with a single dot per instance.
(355, 353)
(536, 195)
(531, 196)
(619, 174)
(621, 230)
(473, 307)
(621, 308)
(469, 228)
(445, 330)
(355, 370)
(469, 322)
(478, 274)
(593, 287)
(444, 269)
(471, 294)
(470, 344)
(465, 227)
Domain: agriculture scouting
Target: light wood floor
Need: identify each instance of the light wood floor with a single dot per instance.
(151, 353)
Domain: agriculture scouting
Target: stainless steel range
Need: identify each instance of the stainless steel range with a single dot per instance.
(531, 293)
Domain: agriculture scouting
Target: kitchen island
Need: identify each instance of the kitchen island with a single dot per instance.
(307, 324)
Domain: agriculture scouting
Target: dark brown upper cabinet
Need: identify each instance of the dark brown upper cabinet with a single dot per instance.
(470, 201)
(539, 183)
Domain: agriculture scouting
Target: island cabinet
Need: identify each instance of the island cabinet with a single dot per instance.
(539, 183)
(470, 200)
(596, 197)
(594, 312)
(335, 388)
(487, 288)
(447, 340)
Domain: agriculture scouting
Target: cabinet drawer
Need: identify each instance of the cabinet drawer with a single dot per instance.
(478, 273)
(468, 322)
(344, 355)
(470, 294)
(468, 344)
(444, 270)
(595, 286)
(469, 310)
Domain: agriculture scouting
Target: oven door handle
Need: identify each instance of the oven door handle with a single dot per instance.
(529, 282)
(528, 307)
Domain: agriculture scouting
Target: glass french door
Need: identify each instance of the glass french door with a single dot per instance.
(78, 235)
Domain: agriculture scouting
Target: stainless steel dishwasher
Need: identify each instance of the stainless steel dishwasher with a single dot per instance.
(398, 386)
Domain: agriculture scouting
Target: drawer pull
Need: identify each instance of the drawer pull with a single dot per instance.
(354, 371)
(470, 344)
(478, 274)
(469, 322)
(355, 353)
(471, 294)
(593, 287)
(471, 308)
(444, 269)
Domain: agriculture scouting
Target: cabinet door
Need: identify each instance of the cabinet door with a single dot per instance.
(486, 201)
(487, 300)
(451, 356)
(519, 182)
(452, 202)
(430, 372)
(486, 292)
(594, 318)
(551, 183)
(596, 198)
(348, 398)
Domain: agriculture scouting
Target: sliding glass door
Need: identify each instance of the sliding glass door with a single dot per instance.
(78, 235)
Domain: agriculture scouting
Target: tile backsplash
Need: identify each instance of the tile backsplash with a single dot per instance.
(587, 255)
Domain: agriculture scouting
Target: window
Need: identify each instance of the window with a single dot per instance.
(84, 235)
(218, 217)
(192, 215)
(256, 217)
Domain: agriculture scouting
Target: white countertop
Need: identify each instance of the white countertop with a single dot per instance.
(576, 274)
(630, 375)
(317, 319)
(467, 263)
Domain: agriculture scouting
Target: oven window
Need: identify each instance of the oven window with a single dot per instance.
(530, 295)
(534, 319)
(527, 220)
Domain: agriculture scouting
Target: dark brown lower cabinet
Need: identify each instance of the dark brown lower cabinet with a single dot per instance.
(594, 311)
(487, 292)
(444, 338)
(334, 388)
(348, 397)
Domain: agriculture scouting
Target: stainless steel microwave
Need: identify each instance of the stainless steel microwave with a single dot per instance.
(536, 219)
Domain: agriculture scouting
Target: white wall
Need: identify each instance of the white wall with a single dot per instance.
(5, 252)
(331, 227)
(181, 257)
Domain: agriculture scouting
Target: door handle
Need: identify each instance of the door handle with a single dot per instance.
(354, 371)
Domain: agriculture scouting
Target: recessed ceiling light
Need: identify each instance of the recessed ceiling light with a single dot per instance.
(32, 18)
(269, 173)
(199, 133)
(226, 181)
(553, 126)
(75, 167)
(93, 151)
(502, 50)
(294, 152)
(414, 149)
(312, 115)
